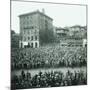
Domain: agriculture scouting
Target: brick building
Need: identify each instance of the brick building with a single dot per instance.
(30, 26)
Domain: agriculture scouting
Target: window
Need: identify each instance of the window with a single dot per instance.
(35, 31)
(35, 37)
(32, 27)
(32, 45)
(28, 44)
(27, 17)
(24, 38)
(28, 38)
(36, 45)
(31, 37)
(28, 32)
(24, 31)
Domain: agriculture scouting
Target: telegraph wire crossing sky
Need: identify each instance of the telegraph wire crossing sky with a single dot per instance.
(62, 15)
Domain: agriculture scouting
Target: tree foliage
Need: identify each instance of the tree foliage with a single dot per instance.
(46, 36)
(14, 40)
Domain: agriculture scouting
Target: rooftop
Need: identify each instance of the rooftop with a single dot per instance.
(78, 26)
(60, 28)
(35, 12)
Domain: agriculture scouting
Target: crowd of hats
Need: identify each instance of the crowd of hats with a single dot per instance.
(48, 79)
(48, 57)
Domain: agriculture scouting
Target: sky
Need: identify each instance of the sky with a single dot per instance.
(63, 15)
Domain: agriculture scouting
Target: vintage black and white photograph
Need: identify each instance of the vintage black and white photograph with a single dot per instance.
(48, 45)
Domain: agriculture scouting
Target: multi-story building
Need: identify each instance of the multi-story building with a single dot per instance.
(78, 31)
(61, 32)
(30, 26)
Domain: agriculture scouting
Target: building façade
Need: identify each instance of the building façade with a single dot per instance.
(31, 24)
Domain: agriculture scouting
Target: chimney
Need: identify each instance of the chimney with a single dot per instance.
(37, 10)
(43, 11)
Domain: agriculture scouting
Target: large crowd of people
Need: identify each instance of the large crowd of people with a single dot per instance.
(48, 79)
(48, 57)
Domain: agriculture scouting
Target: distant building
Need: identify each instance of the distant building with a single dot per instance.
(61, 32)
(71, 36)
(30, 26)
(78, 31)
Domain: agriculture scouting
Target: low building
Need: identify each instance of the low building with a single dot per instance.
(61, 33)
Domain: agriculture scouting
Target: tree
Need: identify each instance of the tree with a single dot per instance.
(14, 40)
(46, 36)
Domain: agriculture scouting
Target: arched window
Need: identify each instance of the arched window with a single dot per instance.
(31, 45)
(36, 45)
(21, 44)
(28, 44)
